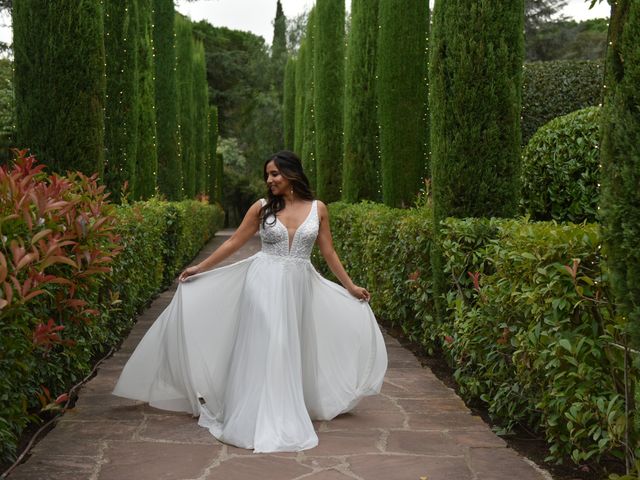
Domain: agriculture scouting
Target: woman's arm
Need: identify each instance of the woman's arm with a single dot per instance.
(244, 232)
(325, 243)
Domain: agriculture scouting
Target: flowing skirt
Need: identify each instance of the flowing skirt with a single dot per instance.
(258, 349)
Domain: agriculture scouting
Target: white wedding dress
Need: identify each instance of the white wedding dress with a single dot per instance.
(266, 343)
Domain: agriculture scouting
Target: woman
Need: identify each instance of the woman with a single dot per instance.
(260, 347)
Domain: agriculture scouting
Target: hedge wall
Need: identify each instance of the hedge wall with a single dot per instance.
(60, 69)
(84, 268)
(361, 163)
(529, 328)
(328, 93)
(552, 89)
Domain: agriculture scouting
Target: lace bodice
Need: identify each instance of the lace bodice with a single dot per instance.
(275, 237)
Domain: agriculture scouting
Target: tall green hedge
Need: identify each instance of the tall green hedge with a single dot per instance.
(620, 157)
(166, 90)
(184, 53)
(147, 157)
(60, 82)
(361, 163)
(402, 90)
(328, 96)
(475, 81)
(552, 89)
(212, 155)
(289, 104)
(301, 63)
(201, 113)
(121, 103)
(7, 111)
(308, 153)
(219, 178)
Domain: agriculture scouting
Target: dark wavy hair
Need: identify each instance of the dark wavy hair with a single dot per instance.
(290, 167)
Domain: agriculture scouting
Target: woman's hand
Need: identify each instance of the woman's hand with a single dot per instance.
(188, 272)
(360, 293)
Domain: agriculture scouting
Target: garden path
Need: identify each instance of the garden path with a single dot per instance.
(416, 429)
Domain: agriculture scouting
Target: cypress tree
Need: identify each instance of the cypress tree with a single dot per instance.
(475, 85)
(219, 178)
(169, 164)
(309, 124)
(361, 163)
(402, 91)
(328, 99)
(184, 50)
(301, 63)
(201, 113)
(59, 62)
(475, 97)
(279, 49)
(121, 103)
(289, 104)
(620, 158)
(147, 158)
(213, 147)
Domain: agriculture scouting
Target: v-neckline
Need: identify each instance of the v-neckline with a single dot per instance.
(291, 239)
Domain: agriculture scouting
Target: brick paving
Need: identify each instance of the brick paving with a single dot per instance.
(416, 429)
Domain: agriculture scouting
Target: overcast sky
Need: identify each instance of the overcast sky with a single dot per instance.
(256, 15)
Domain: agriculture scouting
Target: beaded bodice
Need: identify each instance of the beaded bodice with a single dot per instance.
(275, 237)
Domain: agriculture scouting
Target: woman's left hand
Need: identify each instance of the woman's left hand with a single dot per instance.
(360, 293)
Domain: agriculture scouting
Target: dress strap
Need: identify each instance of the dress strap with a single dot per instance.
(263, 202)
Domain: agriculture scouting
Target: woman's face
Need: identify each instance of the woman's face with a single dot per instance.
(276, 183)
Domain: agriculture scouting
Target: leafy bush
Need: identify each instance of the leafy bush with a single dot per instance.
(560, 168)
(74, 270)
(530, 332)
(552, 89)
(530, 329)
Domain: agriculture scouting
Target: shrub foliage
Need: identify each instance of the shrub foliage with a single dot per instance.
(553, 89)
(560, 168)
(529, 326)
(74, 270)
(361, 162)
(621, 160)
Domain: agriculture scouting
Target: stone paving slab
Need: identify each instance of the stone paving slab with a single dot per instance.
(416, 429)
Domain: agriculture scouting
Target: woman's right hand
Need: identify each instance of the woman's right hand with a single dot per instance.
(188, 272)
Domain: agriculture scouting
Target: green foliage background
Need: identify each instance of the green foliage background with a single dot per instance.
(561, 169)
(122, 102)
(60, 82)
(553, 89)
(402, 92)
(328, 90)
(289, 104)
(621, 161)
(361, 162)
(147, 158)
(166, 99)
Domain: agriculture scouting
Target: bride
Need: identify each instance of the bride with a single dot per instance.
(259, 348)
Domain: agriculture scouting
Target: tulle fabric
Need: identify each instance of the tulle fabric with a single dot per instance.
(268, 344)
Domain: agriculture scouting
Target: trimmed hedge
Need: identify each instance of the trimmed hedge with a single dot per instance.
(551, 89)
(84, 268)
(560, 169)
(529, 328)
